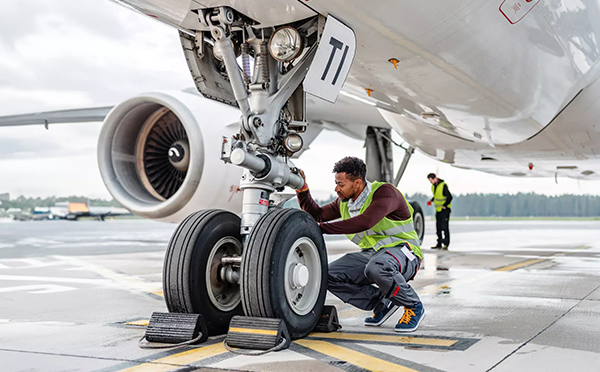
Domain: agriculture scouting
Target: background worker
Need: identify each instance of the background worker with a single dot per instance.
(441, 199)
(377, 218)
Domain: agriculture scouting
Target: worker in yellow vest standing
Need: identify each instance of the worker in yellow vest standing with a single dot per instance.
(377, 218)
(443, 206)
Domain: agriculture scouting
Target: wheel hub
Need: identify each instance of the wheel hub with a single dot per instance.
(221, 281)
(300, 276)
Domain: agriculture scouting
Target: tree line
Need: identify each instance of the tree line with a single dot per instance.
(26, 203)
(506, 205)
(472, 205)
(519, 205)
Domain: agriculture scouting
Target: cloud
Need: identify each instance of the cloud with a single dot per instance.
(96, 51)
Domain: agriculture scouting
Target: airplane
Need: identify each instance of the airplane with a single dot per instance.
(73, 211)
(506, 88)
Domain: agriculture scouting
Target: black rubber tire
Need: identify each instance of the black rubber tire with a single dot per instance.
(263, 266)
(417, 210)
(184, 270)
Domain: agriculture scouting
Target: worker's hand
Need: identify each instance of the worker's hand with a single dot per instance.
(429, 203)
(305, 187)
(443, 207)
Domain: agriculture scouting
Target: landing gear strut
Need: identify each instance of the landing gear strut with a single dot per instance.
(272, 262)
(380, 164)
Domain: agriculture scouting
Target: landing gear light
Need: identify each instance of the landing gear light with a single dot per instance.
(293, 143)
(285, 44)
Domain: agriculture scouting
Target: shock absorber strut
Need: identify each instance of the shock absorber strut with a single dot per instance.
(246, 62)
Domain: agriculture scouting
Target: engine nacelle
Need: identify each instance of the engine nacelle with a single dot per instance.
(159, 155)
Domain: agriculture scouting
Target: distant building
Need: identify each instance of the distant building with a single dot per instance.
(4, 197)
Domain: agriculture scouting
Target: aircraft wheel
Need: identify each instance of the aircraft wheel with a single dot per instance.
(284, 270)
(418, 220)
(193, 280)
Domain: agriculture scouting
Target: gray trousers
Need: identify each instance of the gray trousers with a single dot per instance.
(352, 276)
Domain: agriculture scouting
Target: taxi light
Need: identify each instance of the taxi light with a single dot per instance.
(293, 143)
(285, 44)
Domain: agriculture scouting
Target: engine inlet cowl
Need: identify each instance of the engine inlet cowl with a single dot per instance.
(159, 155)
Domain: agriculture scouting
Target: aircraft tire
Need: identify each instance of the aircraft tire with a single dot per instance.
(284, 270)
(192, 263)
(418, 220)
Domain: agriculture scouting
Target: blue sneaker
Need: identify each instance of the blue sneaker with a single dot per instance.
(411, 319)
(380, 316)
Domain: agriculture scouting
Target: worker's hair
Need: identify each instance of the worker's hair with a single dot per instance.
(353, 167)
(431, 175)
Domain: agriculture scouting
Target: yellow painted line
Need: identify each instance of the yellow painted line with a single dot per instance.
(253, 331)
(385, 338)
(175, 361)
(139, 323)
(584, 247)
(358, 359)
(159, 293)
(520, 265)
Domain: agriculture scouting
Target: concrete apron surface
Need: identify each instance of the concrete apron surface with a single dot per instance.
(507, 296)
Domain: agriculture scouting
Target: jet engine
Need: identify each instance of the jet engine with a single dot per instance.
(159, 155)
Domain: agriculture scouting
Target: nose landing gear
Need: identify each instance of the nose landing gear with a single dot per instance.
(272, 262)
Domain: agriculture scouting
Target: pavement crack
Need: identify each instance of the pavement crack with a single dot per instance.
(542, 331)
(65, 355)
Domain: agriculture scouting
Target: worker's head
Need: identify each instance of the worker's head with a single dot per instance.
(432, 178)
(350, 177)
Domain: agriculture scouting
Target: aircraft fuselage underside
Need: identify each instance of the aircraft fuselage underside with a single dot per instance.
(472, 79)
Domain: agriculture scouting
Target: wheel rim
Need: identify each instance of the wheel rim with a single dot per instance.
(418, 221)
(302, 276)
(224, 295)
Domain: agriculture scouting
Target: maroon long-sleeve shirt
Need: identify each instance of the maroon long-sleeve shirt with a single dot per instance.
(387, 202)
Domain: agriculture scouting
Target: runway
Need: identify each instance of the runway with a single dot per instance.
(507, 296)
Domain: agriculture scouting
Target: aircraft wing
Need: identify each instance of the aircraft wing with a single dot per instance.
(348, 116)
(84, 115)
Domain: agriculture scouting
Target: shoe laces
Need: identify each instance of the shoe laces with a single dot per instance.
(408, 314)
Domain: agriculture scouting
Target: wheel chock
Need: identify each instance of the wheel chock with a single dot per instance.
(266, 334)
(329, 321)
(175, 329)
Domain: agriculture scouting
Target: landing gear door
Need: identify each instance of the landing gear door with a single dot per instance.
(332, 62)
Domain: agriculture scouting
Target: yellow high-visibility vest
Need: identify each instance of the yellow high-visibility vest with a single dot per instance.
(386, 233)
(438, 196)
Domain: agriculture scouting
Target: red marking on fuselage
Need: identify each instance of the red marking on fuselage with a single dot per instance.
(233, 189)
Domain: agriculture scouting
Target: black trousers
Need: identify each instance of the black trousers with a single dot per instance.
(442, 220)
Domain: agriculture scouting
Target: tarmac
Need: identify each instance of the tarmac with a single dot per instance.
(507, 296)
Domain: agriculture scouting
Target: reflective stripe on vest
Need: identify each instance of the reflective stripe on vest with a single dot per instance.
(438, 196)
(393, 231)
(386, 233)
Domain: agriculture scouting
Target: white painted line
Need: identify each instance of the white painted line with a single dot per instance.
(50, 279)
(123, 281)
(38, 289)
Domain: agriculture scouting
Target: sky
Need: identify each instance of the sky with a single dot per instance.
(61, 54)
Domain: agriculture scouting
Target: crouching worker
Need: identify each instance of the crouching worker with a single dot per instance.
(377, 218)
